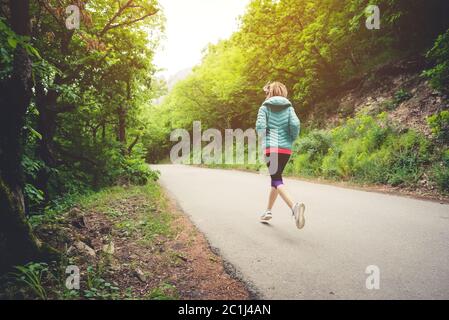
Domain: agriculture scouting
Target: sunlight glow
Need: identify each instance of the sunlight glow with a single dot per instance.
(190, 26)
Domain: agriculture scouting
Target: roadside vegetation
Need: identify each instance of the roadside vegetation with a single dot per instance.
(79, 126)
(332, 64)
(372, 149)
(129, 242)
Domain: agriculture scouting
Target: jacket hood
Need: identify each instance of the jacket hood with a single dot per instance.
(277, 103)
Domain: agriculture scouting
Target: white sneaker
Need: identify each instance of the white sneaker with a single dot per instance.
(298, 213)
(266, 216)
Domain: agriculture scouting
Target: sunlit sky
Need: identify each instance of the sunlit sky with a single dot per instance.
(190, 26)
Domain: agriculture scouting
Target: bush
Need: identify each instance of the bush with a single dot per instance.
(329, 166)
(136, 172)
(439, 124)
(303, 166)
(401, 96)
(410, 151)
(440, 172)
(364, 149)
(316, 144)
(439, 54)
(356, 145)
(311, 148)
(118, 168)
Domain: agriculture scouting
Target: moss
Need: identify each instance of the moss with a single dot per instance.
(18, 245)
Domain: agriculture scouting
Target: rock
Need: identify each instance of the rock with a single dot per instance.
(82, 248)
(115, 267)
(75, 213)
(133, 256)
(109, 248)
(140, 275)
(104, 228)
(77, 219)
(180, 256)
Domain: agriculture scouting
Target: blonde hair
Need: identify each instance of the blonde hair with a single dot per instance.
(276, 89)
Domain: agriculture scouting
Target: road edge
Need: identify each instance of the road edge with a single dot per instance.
(229, 268)
(381, 189)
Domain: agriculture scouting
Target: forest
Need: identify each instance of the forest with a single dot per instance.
(333, 65)
(72, 102)
(78, 111)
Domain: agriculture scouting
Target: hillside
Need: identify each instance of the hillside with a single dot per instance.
(377, 135)
(395, 100)
(397, 88)
(373, 103)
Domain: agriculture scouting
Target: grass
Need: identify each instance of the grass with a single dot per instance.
(152, 219)
(98, 288)
(140, 213)
(165, 291)
(31, 275)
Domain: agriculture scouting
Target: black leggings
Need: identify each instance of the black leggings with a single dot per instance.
(276, 165)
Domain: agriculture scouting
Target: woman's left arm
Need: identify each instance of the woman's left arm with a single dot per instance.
(261, 123)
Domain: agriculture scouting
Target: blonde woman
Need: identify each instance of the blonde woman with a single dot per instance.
(280, 124)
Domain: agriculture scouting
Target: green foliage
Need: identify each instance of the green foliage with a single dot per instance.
(98, 288)
(440, 172)
(165, 291)
(363, 149)
(401, 96)
(439, 124)
(32, 276)
(398, 97)
(88, 86)
(316, 144)
(410, 152)
(81, 79)
(136, 171)
(154, 220)
(314, 47)
(34, 195)
(9, 41)
(439, 55)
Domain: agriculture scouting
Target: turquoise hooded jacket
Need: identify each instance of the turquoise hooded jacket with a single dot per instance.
(278, 120)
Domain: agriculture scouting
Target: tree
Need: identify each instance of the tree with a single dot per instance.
(81, 59)
(17, 243)
(64, 86)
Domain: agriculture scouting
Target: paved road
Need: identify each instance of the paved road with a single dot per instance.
(346, 231)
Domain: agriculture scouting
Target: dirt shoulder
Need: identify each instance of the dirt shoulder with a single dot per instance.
(129, 243)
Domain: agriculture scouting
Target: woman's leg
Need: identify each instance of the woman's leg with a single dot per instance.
(278, 184)
(277, 181)
(285, 196)
(272, 199)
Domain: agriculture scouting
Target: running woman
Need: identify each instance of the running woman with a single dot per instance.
(280, 125)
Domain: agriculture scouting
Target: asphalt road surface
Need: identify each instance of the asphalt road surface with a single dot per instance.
(346, 231)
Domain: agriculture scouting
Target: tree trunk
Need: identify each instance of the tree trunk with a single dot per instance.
(17, 243)
(103, 132)
(121, 113)
(46, 126)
